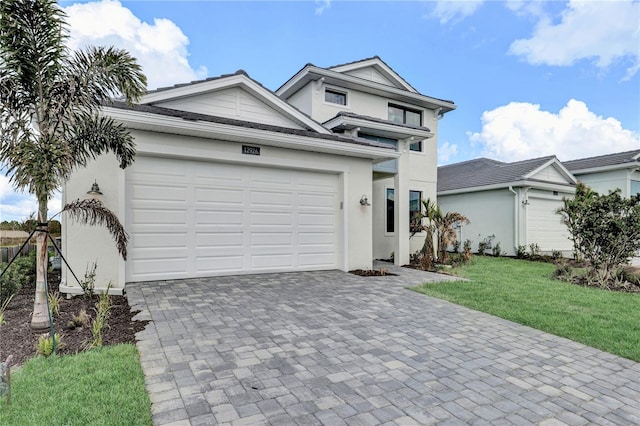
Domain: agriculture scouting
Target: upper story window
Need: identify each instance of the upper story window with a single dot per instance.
(335, 97)
(404, 115)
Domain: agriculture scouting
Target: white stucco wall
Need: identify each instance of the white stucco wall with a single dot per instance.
(489, 213)
(603, 182)
(82, 247)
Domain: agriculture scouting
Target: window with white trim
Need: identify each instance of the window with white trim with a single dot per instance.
(335, 96)
(403, 115)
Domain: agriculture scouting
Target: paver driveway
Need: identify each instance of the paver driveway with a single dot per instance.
(333, 348)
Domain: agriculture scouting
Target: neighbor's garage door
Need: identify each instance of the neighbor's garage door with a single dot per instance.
(544, 226)
(192, 218)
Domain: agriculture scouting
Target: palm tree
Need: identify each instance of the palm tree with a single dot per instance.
(439, 228)
(50, 98)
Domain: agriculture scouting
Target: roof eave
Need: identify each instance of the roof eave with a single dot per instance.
(312, 73)
(398, 132)
(516, 184)
(147, 121)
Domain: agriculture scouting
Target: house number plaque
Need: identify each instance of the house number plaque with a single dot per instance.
(250, 150)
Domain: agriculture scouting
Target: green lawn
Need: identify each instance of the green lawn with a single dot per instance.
(104, 386)
(524, 292)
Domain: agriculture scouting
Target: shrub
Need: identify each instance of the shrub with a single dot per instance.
(88, 284)
(21, 272)
(3, 308)
(496, 250)
(45, 344)
(534, 250)
(563, 272)
(556, 255)
(54, 303)
(466, 250)
(605, 230)
(103, 306)
(482, 247)
(521, 252)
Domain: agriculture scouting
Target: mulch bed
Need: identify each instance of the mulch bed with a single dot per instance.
(17, 338)
(372, 273)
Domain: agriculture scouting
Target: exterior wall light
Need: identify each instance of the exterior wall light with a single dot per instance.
(95, 189)
(364, 201)
(525, 202)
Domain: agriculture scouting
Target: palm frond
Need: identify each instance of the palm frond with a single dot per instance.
(93, 135)
(93, 212)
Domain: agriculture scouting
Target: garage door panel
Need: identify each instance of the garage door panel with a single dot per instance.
(267, 239)
(158, 216)
(219, 239)
(272, 199)
(316, 260)
(271, 218)
(212, 218)
(218, 264)
(219, 217)
(272, 261)
(326, 201)
(159, 239)
(310, 238)
(311, 219)
(219, 196)
(153, 267)
(157, 192)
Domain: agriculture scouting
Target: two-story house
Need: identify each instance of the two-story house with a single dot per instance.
(231, 178)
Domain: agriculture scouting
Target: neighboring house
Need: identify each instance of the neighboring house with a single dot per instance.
(606, 173)
(515, 203)
(231, 178)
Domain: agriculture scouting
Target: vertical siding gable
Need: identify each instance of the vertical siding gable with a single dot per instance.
(370, 73)
(550, 174)
(235, 103)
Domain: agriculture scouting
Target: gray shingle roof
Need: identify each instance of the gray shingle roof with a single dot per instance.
(484, 172)
(168, 112)
(376, 120)
(619, 158)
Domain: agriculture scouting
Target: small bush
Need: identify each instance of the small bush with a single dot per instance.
(556, 255)
(103, 306)
(54, 303)
(88, 284)
(3, 308)
(534, 250)
(482, 247)
(521, 252)
(466, 250)
(563, 272)
(45, 344)
(496, 250)
(21, 272)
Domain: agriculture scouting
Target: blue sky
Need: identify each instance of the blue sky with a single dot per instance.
(529, 78)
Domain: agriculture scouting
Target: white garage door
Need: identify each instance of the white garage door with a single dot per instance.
(192, 218)
(544, 226)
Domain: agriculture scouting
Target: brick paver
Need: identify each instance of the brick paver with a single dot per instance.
(331, 348)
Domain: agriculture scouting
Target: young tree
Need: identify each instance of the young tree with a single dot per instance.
(605, 229)
(439, 228)
(50, 98)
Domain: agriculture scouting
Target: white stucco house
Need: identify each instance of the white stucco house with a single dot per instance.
(232, 178)
(515, 202)
(606, 173)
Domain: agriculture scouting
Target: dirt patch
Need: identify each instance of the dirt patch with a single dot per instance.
(17, 338)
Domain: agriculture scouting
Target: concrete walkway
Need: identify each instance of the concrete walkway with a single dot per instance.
(332, 348)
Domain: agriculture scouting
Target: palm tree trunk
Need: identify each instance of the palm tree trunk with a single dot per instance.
(40, 318)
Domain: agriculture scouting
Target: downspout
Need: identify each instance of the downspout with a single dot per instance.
(516, 216)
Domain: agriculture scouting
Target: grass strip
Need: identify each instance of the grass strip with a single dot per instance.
(525, 292)
(104, 386)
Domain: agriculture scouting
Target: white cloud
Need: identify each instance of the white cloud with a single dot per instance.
(454, 10)
(605, 31)
(520, 130)
(446, 151)
(160, 47)
(322, 6)
(19, 205)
